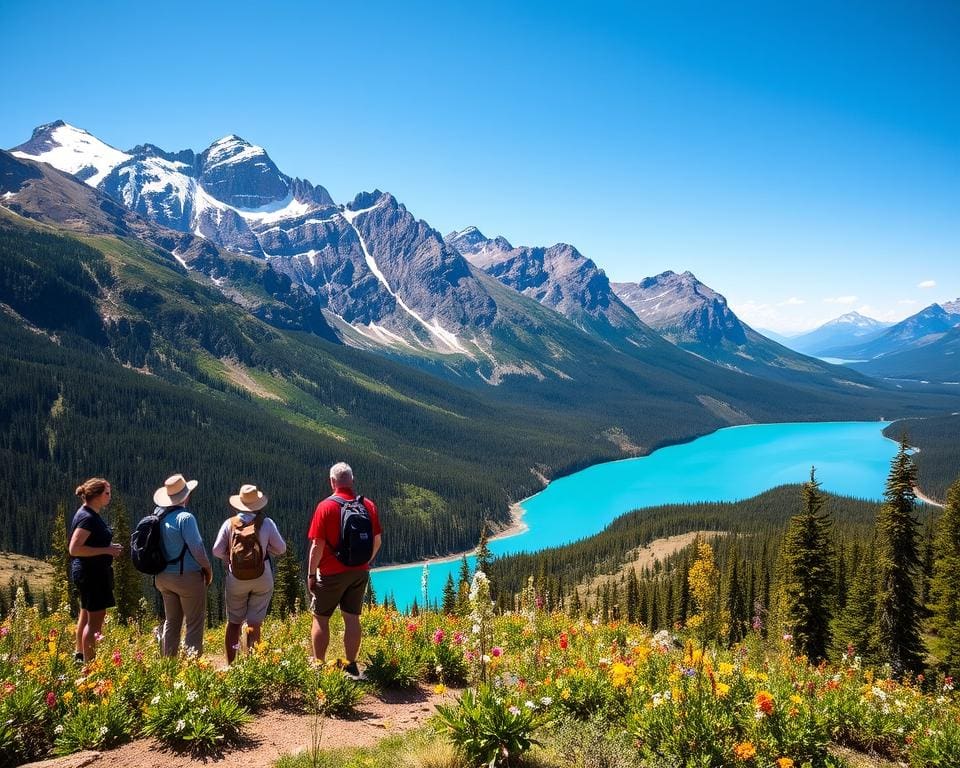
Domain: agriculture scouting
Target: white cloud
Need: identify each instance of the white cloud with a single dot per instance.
(927, 284)
(793, 301)
(840, 300)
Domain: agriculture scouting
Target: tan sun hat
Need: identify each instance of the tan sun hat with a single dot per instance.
(250, 499)
(175, 490)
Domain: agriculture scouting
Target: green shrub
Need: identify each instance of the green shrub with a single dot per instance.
(488, 729)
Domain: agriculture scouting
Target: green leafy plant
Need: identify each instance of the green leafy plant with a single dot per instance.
(488, 729)
(98, 725)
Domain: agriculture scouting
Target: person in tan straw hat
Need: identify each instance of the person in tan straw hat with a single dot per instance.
(245, 543)
(183, 584)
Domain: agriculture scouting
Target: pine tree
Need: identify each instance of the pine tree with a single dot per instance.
(807, 580)
(449, 604)
(854, 627)
(575, 607)
(287, 584)
(897, 627)
(736, 602)
(128, 584)
(633, 597)
(60, 590)
(945, 585)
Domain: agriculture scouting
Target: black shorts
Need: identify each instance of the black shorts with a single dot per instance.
(95, 588)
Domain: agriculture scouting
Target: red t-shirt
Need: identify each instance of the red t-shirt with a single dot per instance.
(325, 526)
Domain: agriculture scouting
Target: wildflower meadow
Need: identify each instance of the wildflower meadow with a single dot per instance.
(532, 687)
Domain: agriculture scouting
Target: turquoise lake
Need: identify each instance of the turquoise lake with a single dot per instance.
(852, 459)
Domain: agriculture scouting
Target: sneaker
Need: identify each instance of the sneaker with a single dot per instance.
(351, 670)
(78, 657)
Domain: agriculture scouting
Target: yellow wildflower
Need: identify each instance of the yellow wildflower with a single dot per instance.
(784, 762)
(744, 750)
(439, 689)
(620, 674)
(722, 689)
(724, 668)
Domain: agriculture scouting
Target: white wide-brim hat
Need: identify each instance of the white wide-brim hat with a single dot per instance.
(175, 490)
(250, 499)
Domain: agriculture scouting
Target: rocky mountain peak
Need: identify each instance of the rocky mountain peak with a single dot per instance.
(683, 309)
(72, 150)
(953, 307)
(241, 174)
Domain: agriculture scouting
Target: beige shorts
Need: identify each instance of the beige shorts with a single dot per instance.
(248, 600)
(344, 589)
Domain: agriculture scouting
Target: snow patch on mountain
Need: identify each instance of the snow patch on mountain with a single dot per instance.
(75, 151)
(232, 149)
(448, 341)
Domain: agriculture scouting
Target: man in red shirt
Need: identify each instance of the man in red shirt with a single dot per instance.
(330, 583)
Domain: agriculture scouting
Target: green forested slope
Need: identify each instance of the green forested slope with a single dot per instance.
(938, 461)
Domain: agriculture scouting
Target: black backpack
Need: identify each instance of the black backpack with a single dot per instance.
(356, 532)
(146, 544)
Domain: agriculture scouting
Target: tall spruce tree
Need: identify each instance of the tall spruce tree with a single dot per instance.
(61, 591)
(854, 627)
(128, 584)
(736, 601)
(449, 603)
(807, 575)
(897, 627)
(288, 584)
(945, 585)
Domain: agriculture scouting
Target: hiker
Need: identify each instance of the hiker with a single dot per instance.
(245, 543)
(91, 569)
(183, 583)
(338, 570)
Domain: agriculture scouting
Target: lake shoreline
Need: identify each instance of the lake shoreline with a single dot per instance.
(515, 527)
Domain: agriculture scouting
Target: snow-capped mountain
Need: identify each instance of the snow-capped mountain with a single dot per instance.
(696, 318)
(919, 330)
(559, 277)
(846, 330)
(383, 277)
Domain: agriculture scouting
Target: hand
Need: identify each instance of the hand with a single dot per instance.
(311, 582)
(115, 550)
(207, 576)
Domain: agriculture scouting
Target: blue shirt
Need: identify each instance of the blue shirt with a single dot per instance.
(179, 528)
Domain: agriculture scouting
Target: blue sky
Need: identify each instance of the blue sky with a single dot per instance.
(801, 158)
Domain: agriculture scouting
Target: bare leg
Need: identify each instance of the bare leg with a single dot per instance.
(82, 620)
(320, 635)
(232, 641)
(253, 635)
(351, 635)
(90, 632)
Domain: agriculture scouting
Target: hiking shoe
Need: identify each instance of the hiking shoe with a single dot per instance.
(78, 658)
(351, 670)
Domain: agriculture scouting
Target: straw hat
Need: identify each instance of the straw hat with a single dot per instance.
(175, 490)
(250, 499)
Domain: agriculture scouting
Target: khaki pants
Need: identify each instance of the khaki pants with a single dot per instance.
(184, 599)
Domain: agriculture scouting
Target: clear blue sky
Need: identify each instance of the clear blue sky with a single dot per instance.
(801, 158)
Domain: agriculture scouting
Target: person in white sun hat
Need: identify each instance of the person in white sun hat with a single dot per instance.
(183, 584)
(245, 543)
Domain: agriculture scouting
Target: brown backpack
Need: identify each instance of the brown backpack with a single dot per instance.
(246, 553)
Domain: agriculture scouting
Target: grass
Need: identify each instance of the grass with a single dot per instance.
(37, 573)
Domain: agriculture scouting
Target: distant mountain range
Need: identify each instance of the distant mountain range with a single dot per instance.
(847, 330)
(696, 318)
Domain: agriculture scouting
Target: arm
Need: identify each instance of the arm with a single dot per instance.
(313, 561)
(191, 537)
(78, 546)
(275, 543)
(220, 548)
(376, 546)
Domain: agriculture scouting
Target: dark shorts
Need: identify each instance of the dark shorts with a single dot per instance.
(95, 588)
(340, 589)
